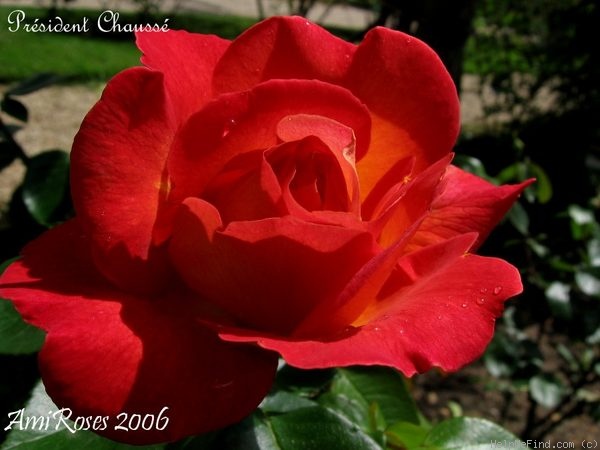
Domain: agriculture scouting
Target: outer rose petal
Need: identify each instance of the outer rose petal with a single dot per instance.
(118, 177)
(187, 61)
(437, 319)
(108, 352)
(282, 48)
(419, 117)
(466, 204)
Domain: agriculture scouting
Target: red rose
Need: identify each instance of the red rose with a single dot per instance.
(287, 193)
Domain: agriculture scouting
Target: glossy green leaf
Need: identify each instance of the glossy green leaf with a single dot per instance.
(594, 338)
(14, 108)
(308, 382)
(501, 358)
(519, 218)
(313, 428)
(471, 165)
(46, 184)
(539, 249)
(588, 283)
(17, 337)
(582, 221)
(49, 432)
(593, 250)
(354, 390)
(580, 215)
(283, 401)
(568, 356)
(559, 299)
(34, 83)
(318, 428)
(514, 172)
(546, 390)
(406, 435)
(543, 185)
(467, 433)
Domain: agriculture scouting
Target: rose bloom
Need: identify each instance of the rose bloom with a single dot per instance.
(284, 194)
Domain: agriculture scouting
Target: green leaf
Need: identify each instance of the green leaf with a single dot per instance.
(34, 83)
(45, 185)
(317, 428)
(538, 248)
(354, 390)
(283, 401)
(313, 428)
(14, 108)
(559, 299)
(546, 390)
(582, 221)
(308, 382)
(471, 164)
(16, 337)
(568, 356)
(543, 185)
(510, 173)
(406, 435)
(519, 218)
(593, 250)
(594, 338)
(588, 283)
(468, 433)
(49, 432)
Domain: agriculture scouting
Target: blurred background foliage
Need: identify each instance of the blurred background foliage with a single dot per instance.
(537, 75)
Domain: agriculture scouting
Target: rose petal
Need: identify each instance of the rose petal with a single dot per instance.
(107, 352)
(237, 123)
(466, 203)
(418, 117)
(399, 173)
(187, 61)
(246, 189)
(438, 320)
(406, 203)
(270, 273)
(118, 178)
(311, 177)
(329, 318)
(340, 140)
(282, 48)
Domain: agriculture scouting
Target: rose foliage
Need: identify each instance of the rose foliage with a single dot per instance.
(284, 194)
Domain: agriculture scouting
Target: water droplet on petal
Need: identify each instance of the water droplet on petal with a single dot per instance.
(228, 126)
(483, 290)
(464, 305)
(439, 317)
(480, 301)
(401, 330)
(376, 329)
(497, 290)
